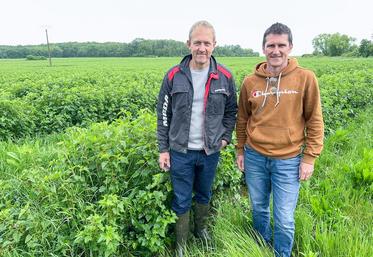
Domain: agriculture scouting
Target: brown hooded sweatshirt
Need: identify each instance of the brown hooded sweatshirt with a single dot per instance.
(278, 116)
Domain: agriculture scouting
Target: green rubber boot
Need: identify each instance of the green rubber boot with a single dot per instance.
(201, 212)
(182, 233)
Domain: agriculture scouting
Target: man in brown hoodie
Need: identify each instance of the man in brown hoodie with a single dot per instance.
(280, 134)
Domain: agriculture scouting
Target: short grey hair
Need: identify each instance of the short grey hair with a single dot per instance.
(202, 23)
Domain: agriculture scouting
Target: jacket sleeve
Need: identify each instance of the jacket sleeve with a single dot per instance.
(313, 120)
(229, 119)
(164, 115)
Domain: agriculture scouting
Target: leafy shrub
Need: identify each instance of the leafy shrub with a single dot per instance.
(343, 95)
(118, 165)
(16, 119)
(228, 176)
(104, 196)
(35, 58)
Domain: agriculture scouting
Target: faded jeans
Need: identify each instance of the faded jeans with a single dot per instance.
(264, 175)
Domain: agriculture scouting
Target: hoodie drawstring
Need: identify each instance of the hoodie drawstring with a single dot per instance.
(278, 93)
(278, 90)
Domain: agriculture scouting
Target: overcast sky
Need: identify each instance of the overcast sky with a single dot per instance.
(236, 21)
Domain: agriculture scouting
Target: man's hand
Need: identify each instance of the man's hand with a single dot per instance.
(240, 162)
(305, 171)
(223, 144)
(164, 161)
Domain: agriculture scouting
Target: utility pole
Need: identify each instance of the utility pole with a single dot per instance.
(49, 50)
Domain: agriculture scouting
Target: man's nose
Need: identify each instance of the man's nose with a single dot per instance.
(202, 48)
(276, 50)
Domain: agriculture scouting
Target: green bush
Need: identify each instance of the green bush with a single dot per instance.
(103, 197)
(35, 58)
(343, 96)
(16, 119)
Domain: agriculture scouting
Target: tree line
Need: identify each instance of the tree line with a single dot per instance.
(137, 48)
(341, 45)
(324, 44)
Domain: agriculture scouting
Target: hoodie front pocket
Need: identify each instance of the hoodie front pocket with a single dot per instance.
(275, 136)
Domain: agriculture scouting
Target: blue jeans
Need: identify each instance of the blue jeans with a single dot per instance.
(263, 175)
(191, 171)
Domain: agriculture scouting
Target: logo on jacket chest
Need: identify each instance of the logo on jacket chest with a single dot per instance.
(220, 90)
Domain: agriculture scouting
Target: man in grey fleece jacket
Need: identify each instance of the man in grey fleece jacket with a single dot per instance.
(196, 116)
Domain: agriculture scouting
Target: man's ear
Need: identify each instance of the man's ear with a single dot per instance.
(188, 43)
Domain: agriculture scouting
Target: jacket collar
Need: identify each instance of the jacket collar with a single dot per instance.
(184, 64)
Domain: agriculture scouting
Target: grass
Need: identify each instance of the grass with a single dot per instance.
(334, 214)
(335, 209)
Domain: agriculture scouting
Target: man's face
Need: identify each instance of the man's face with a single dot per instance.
(201, 45)
(277, 49)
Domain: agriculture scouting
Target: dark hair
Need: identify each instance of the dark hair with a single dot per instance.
(278, 29)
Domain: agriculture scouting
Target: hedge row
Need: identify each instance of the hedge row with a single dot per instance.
(92, 192)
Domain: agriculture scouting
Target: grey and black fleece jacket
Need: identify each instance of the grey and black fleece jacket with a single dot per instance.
(174, 108)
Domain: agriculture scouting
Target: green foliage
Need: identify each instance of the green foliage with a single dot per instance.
(366, 48)
(76, 100)
(120, 160)
(343, 95)
(139, 47)
(332, 217)
(332, 44)
(363, 170)
(16, 119)
(232, 233)
(96, 189)
(102, 196)
(335, 206)
(78, 92)
(228, 176)
(234, 51)
(35, 58)
(354, 52)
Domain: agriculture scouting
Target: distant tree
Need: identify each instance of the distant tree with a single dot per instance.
(35, 58)
(137, 48)
(332, 44)
(234, 50)
(366, 48)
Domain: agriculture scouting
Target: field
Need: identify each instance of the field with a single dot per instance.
(79, 173)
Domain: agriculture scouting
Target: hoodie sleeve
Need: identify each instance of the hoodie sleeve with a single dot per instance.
(164, 115)
(314, 121)
(244, 113)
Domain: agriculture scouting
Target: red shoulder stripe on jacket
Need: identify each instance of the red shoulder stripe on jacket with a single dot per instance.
(172, 73)
(224, 71)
